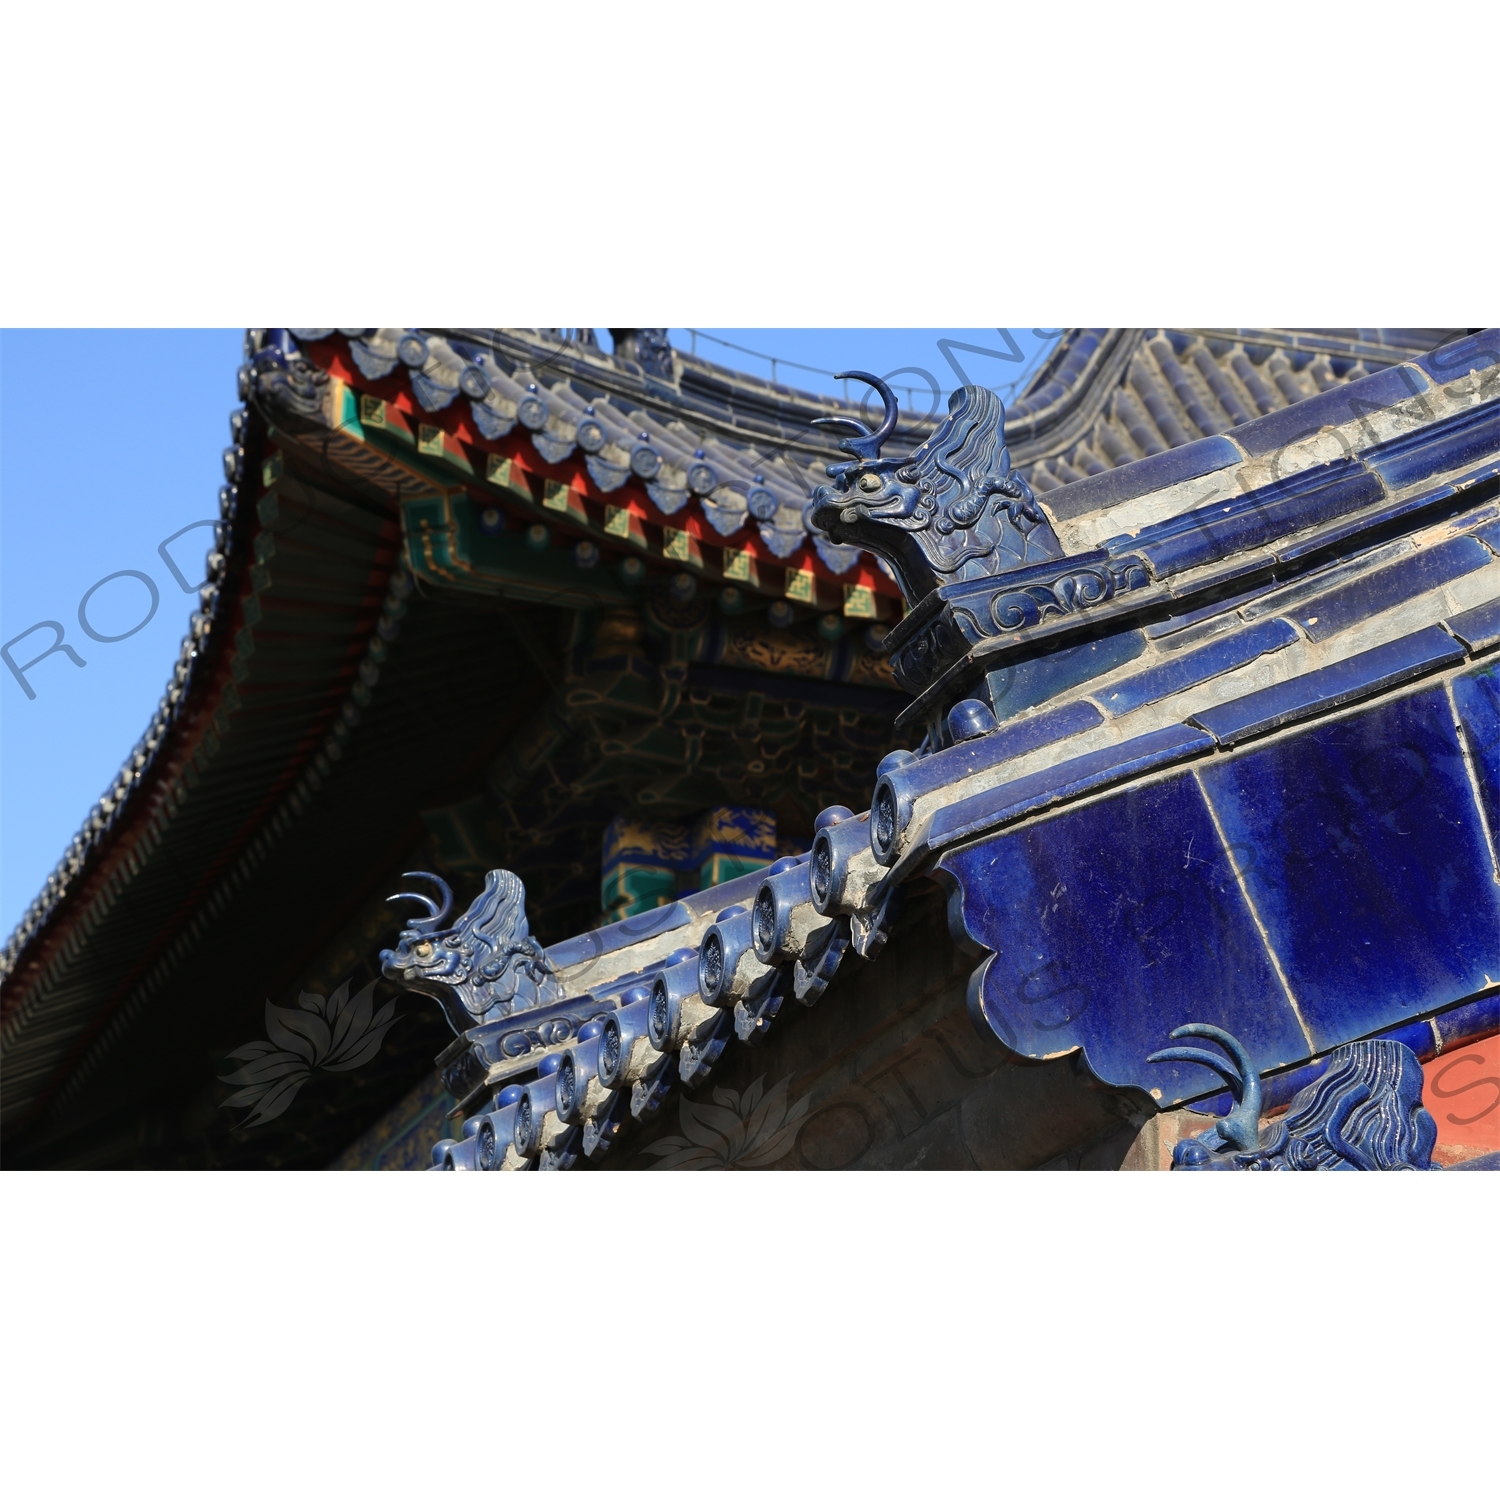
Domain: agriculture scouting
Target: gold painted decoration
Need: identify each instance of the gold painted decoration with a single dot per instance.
(776, 651)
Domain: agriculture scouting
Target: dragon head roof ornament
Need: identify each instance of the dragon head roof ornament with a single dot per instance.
(952, 511)
(485, 967)
(1364, 1114)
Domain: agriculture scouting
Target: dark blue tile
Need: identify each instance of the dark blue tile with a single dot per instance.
(1258, 517)
(1476, 695)
(1418, 1035)
(1286, 598)
(1113, 923)
(1227, 607)
(1466, 1023)
(1026, 683)
(1478, 628)
(1325, 538)
(1452, 361)
(1369, 594)
(618, 935)
(1333, 408)
(1457, 442)
(1366, 860)
(1071, 778)
(1330, 687)
(1490, 535)
(949, 767)
(1100, 491)
(1223, 654)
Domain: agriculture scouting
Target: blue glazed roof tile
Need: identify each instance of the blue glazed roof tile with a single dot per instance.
(1479, 1018)
(1372, 877)
(1331, 409)
(1111, 922)
(949, 767)
(1478, 628)
(1461, 356)
(1330, 687)
(1260, 516)
(1186, 670)
(1437, 449)
(1370, 594)
(1059, 783)
(1476, 698)
(1171, 467)
(1037, 679)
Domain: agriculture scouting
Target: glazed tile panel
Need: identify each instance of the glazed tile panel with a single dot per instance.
(1299, 893)
(1476, 698)
(1367, 862)
(1113, 923)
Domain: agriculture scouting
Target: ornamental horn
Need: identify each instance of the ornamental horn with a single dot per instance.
(436, 913)
(1241, 1126)
(864, 444)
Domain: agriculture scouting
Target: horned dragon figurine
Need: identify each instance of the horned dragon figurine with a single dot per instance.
(1364, 1114)
(952, 511)
(484, 968)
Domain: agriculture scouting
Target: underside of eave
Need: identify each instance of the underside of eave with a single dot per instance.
(218, 785)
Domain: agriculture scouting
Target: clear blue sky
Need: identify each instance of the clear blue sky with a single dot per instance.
(110, 441)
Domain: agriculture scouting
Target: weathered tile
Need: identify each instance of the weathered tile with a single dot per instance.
(1283, 598)
(1330, 687)
(1190, 667)
(1478, 628)
(1016, 688)
(1418, 1035)
(1363, 852)
(969, 757)
(1227, 611)
(1333, 408)
(1459, 357)
(1466, 1022)
(1101, 491)
(1070, 778)
(1111, 925)
(1323, 538)
(1370, 594)
(1464, 439)
(1213, 532)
